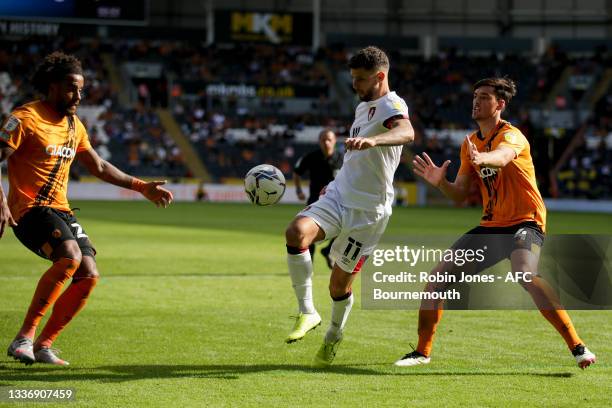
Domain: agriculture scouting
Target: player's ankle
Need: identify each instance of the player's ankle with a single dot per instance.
(22, 335)
(38, 344)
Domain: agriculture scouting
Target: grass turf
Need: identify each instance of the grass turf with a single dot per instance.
(193, 308)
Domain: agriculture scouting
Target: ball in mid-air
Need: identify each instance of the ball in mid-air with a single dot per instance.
(264, 184)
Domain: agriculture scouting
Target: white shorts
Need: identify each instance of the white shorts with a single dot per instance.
(357, 232)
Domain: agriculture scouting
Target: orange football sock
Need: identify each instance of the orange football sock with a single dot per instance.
(47, 291)
(547, 301)
(428, 321)
(67, 306)
(562, 322)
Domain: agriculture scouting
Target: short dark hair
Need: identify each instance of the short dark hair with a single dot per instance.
(504, 88)
(55, 68)
(369, 58)
(325, 132)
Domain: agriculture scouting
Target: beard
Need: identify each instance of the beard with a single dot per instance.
(368, 96)
(67, 109)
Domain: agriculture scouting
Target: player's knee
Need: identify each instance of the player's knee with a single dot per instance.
(430, 287)
(69, 250)
(88, 269)
(77, 257)
(531, 285)
(296, 235)
(435, 287)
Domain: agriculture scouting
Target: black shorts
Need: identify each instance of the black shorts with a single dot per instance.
(498, 243)
(43, 229)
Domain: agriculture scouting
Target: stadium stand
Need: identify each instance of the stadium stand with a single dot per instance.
(244, 105)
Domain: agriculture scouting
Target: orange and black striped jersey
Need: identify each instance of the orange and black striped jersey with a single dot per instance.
(45, 145)
(510, 194)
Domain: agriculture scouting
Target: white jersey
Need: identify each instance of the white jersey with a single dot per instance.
(365, 180)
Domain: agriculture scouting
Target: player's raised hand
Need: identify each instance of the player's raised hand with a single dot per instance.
(6, 218)
(424, 167)
(476, 157)
(359, 143)
(470, 147)
(157, 194)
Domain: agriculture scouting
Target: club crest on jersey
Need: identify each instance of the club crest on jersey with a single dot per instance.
(61, 151)
(371, 112)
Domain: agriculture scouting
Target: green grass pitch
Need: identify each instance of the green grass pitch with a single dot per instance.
(194, 304)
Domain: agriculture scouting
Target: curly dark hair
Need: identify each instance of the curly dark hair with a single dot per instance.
(369, 58)
(54, 68)
(505, 88)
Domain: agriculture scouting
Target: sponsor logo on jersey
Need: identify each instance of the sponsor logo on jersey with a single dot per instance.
(356, 131)
(371, 112)
(487, 172)
(61, 151)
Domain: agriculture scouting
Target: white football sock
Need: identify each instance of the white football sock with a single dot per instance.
(300, 270)
(339, 316)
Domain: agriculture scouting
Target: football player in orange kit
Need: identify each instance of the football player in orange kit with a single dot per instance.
(498, 158)
(40, 140)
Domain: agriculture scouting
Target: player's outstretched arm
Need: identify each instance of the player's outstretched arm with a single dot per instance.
(436, 176)
(105, 171)
(400, 132)
(6, 218)
(497, 158)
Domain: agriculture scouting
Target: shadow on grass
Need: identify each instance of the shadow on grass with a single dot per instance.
(196, 275)
(123, 373)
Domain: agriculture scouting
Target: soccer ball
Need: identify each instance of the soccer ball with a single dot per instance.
(264, 184)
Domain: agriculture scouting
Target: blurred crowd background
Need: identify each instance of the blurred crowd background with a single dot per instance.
(168, 95)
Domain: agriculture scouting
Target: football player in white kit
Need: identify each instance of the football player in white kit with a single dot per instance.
(356, 206)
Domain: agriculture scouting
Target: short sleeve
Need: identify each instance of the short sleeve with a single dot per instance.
(13, 131)
(466, 166)
(83, 138)
(395, 109)
(514, 140)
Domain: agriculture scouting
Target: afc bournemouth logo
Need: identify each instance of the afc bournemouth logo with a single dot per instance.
(371, 112)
